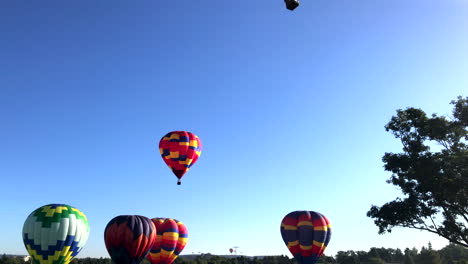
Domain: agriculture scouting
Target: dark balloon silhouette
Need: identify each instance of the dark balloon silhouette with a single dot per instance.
(129, 238)
(291, 4)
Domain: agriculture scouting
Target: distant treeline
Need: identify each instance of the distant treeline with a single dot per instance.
(451, 254)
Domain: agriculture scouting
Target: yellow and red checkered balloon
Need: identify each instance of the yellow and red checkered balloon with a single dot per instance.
(180, 150)
(172, 236)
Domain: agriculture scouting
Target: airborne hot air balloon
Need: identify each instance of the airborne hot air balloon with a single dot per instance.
(55, 233)
(128, 238)
(291, 4)
(306, 234)
(180, 150)
(170, 241)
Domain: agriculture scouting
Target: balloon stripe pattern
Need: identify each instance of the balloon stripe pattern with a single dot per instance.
(128, 238)
(180, 150)
(170, 241)
(306, 234)
(55, 233)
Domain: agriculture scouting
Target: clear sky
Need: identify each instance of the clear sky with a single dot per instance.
(290, 108)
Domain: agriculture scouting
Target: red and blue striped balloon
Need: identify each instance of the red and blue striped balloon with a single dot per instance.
(306, 234)
(170, 241)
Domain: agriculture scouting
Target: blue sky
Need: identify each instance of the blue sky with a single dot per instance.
(290, 108)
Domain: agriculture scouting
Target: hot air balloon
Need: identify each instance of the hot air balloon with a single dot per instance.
(291, 4)
(180, 150)
(55, 233)
(231, 250)
(128, 238)
(170, 241)
(306, 234)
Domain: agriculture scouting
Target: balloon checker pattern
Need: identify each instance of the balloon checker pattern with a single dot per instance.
(170, 241)
(180, 150)
(55, 233)
(306, 234)
(128, 238)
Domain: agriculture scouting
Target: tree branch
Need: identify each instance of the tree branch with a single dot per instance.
(463, 214)
(432, 231)
(444, 144)
(435, 226)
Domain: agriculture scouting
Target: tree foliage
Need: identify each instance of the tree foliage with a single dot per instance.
(11, 260)
(451, 254)
(435, 183)
(409, 259)
(429, 256)
(454, 254)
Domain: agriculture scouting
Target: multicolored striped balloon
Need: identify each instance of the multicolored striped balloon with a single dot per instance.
(55, 233)
(170, 241)
(180, 150)
(306, 234)
(128, 238)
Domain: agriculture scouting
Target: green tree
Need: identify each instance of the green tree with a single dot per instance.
(408, 259)
(398, 256)
(347, 257)
(327, 259)
(363, 256)
(434, 183)
(373, 253)
(11, 260)
(375, 261)
(428, 256)
(453, 254)
(410, 254)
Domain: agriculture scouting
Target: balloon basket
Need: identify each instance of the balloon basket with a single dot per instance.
(291, 4)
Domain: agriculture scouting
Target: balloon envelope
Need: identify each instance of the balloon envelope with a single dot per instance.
(55, 233)
(170, 241)
(306, 234)
(128, 238)
(180, 150)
